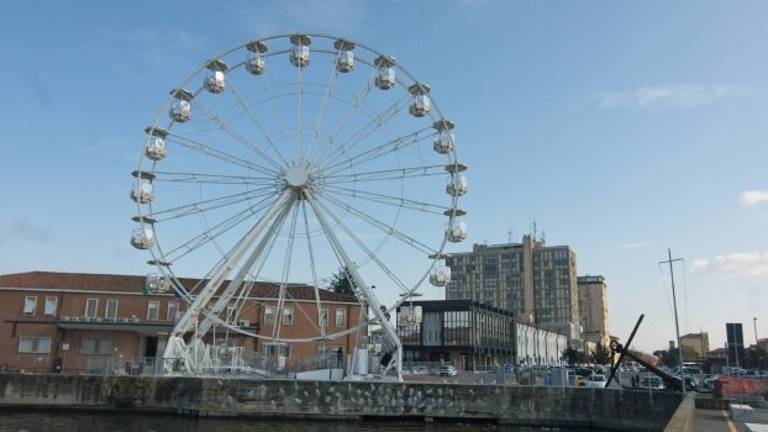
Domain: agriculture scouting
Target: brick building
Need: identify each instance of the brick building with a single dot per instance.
(94, 322)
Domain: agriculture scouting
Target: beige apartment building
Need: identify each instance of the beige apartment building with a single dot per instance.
(593, 309)
(536, 282)
(695, 343)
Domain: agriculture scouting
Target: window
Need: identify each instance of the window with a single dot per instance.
(172, 314)
(153, 310)
(269, 315)
(50, 306)
(111, 312)
(96, 346)
(30, 304)
(287, 316)
(341, 317)
(283, 349)
(34, 345)
(91, 306)
(323, 316)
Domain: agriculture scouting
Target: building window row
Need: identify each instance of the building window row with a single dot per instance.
(92, 308)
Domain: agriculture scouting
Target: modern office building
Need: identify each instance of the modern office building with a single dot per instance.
(593, 309)
(735, 338)
(537, 283)
(74, 322)
(695, 344)
(469, 334)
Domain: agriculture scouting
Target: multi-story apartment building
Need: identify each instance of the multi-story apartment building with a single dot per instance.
(73, 322)
(593, 309)
(696, 344)
(537, 283)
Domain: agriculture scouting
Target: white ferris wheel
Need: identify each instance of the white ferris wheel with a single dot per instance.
(287, 159)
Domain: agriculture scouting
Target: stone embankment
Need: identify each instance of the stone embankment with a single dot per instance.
(518, 405)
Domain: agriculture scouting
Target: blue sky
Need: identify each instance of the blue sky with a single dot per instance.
(622, 128)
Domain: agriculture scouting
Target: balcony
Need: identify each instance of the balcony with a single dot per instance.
(124, 324)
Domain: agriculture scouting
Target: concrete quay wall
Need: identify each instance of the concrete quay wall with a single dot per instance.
(520, 405)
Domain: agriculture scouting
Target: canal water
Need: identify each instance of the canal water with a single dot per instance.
(72, 422)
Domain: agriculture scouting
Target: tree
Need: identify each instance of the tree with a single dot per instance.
(574, 356)
(601, 355)
(341, 282)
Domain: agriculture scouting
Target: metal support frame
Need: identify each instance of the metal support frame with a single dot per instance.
(176, 344)
(369, 298)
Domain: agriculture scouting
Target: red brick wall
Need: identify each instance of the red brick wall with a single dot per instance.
(127, 344)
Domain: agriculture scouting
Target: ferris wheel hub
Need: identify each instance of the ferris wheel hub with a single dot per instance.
(296, 176)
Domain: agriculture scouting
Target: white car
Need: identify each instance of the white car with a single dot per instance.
(448, 370)
(596, 381)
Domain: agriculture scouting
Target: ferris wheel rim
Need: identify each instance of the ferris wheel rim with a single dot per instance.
(399, 67)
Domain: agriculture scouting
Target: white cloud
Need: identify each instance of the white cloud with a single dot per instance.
(676, 96)
(753, 197)
(748, 264)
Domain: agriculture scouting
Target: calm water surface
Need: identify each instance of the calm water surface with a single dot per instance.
(68, 422)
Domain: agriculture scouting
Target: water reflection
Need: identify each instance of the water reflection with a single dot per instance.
(119, 422)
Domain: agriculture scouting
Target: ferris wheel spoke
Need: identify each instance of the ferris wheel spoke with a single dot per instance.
(218, 154)
(274, 106)
(327, 96)
(372, 256)
(300, 119)
(313, 269)
(236, 283)
(238, 137)
(285, 275)
(209, 205)
(258, 124)
(382, 226)
(355, 106)
(390, 174)
(381, 150)
(191, 177)
(217, 230)
(390, 200)
(361, 134)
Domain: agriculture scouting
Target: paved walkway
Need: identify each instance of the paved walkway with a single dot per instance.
(720, 421)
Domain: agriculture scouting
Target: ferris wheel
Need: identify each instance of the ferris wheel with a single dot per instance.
(288, 159)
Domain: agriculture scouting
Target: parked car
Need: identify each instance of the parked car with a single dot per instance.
(596, 381)
(448, 370)
(650, 382)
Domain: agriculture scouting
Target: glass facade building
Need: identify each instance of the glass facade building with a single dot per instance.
(473, 335)
(537, 283)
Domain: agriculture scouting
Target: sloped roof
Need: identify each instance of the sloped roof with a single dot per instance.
(135, 283)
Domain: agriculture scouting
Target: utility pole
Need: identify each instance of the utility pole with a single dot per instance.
(754, 323)
(677, 325)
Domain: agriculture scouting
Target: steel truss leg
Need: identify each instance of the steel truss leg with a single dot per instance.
(369, 298)
(176, 347)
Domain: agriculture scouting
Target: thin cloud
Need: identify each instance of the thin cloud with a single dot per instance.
(752, 197)
(673, 96)
(743, 264)
(24, 231)
(299, 15)
(635, 245)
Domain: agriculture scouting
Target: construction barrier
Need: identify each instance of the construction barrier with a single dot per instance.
(728, 386)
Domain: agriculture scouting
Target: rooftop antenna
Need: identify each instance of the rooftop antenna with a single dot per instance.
(535, 233)
(510, 232)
